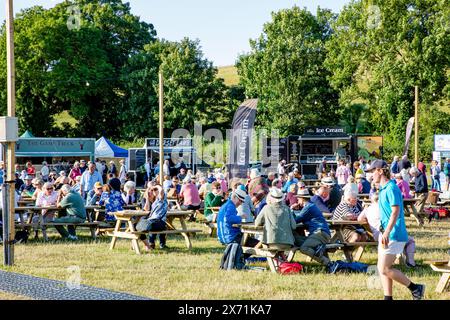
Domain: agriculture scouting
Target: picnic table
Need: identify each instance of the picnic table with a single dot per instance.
(442, 266)
(337, 240)
(174, 202)
(409, 207)
(212, 225)
(34, 210)
(126, 220)
(338, 237)
(26, 202)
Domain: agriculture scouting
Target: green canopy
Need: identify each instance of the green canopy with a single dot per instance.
(27, 134)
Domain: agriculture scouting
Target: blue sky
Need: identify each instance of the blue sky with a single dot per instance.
(224, 27)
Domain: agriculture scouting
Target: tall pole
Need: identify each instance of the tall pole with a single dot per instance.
(11, 158)
(161, 128)
(416, 128)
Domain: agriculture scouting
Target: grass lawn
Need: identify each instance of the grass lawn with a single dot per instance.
(177, 273)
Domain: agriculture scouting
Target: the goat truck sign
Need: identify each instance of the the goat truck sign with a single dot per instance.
(241, 137)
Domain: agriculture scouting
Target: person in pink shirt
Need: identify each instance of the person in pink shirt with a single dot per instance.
(403, 185)
(75, 172)
(189, 195)
(342, 173)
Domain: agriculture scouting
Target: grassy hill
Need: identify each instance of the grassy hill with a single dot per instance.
(229, 74)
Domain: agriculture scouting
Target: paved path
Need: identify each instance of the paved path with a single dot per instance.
(46, 289)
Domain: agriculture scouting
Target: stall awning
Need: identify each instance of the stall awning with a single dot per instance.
(324, 138)
(106, 149)
(52, 154)
(169, 150)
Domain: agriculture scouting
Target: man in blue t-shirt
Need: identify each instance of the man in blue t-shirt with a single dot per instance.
(393, 236)
(228, 216)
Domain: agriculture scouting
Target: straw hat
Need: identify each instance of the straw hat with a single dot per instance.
(327, 181)
(303, 193)
(241, 194)
(276, 195)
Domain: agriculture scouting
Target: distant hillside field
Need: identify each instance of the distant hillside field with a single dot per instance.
(229, 74)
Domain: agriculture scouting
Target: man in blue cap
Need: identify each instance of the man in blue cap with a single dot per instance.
(394, 236)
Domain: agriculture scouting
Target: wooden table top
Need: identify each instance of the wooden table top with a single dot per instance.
(131, 213)
(34, 208)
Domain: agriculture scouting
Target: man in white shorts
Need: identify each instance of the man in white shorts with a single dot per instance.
(393, 239)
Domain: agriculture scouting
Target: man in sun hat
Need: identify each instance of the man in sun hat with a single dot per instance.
(27, 188)
(278, 222)
(228, 216)
(319, 233)
(393, 228)
(334, 190)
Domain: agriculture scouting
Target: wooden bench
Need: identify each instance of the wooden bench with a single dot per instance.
(442, 266)
(360, 248)
(272, 254)
(212, 226)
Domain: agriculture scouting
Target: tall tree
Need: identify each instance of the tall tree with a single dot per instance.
(75, 69)
(285, 71)
(192, 91)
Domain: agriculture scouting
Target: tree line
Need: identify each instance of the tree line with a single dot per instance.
(104, 73)
(356, 69)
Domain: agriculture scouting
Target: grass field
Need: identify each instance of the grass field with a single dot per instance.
(229, 74)
(177, 273)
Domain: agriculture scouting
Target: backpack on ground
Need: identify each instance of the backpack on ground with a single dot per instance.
(21, 236)
(233, 257)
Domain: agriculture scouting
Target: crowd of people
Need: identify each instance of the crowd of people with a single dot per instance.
(278, 201)
(282, 200)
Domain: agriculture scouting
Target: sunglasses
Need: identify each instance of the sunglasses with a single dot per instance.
(49, 188)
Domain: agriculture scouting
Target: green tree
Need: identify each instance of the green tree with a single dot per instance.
(379, 51)
(192, 91)
(74, 69)
(285, 71)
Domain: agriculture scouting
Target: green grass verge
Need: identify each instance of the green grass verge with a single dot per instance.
(177, 273)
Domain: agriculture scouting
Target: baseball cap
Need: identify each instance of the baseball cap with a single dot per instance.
(376, 164)
(28, 177)
(241, 194)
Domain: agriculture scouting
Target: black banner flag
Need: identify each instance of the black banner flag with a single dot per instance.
(241, 137)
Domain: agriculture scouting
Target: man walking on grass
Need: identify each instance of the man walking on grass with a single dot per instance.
(394, 236)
